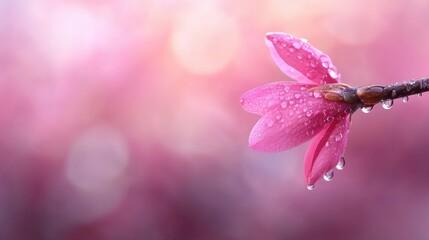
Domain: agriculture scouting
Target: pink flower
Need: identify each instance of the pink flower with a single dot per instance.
(294, 112)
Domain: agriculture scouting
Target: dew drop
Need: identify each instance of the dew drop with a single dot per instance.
(407, 86)
(303, 88)
(275, 40)
(291, 49)
(310, 94)
(341, 164)
(328, 175)
(332, 73)
(283, 104)
(327, 144)
(317, 94)
(393, 93)
(338, 137)
(367, 109)
(306, 123)
(325, 61)
(297, 95)
(287, 88)
(278, 116)
(310, 187)
(387, 104)
(290, 113)
(314, 63)
(283, 45)
(291, 102)
(304, 40)
(309, 55)
(297, 44)
(420, 94)
(299, 56)
(311, 74)
(271, 103)
(309, 113)
(330, 119)
(270, 123)
(405, 99)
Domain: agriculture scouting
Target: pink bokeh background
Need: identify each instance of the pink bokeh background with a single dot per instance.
(121, 120)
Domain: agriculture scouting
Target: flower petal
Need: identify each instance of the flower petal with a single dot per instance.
(326, 150)
(301, 61)
(291, 115)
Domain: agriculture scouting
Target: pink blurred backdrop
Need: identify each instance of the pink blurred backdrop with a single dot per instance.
(121, 120)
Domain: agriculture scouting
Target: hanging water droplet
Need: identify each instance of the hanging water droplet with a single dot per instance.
(310, 187)
(309, 113)
(420, 94)
(338, 137)
(393, 93)
(328, 175)
(367, 109)
(297, 44)
(332, 73)
(297, 95)
(387, 104)
(405, 99)
(341, 164)
(283, 104)
(317, 94)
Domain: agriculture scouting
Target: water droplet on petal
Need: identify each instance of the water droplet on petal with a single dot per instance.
(341, 164)
(291, 49)
(314, 63)
(327, 144)
(287, 88)
(297, 95)
(275, 40)
(278, 116)
(290, 113)
(367, 109)
(297, 44)
(330, 119)
(283, 44)
(310, 187)
(303, 88)
(306, 123)
(393, 93)
(420, 94)
(299, 56)
(291, 102)
(304, 40)
(333, 73)
(283, 104)
(309, 113)
(310, 94)
(387, 104)
(271, 103)
(328, 175)
(405, 99)
(317, 94)
(325, 61)
(338, 137)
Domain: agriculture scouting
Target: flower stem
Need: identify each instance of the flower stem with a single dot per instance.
(405, 89)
